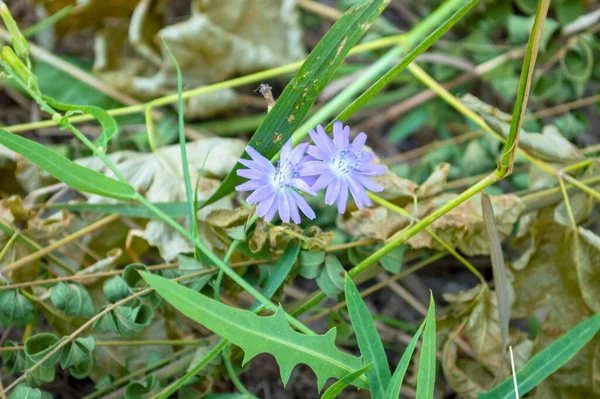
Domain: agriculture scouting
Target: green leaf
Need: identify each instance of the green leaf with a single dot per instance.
(14, 306)
(108, 123)
(519, 29)
(141, 389)
(72, 299)
(393, 389)
(255, 334)
(70, 173)
(310, 263)
(408, 125)
(14, 361)
(78, 356)
(173, 209)
(126, 321)
(331, 278)
(547, 361)
(426, 373)
(392, 262)
(369, 342)
(115, 289)
(36, 348)
(334, 390)
(190, 265)
(300, 94)
(279, 272)
(25, 392)
(132, 279)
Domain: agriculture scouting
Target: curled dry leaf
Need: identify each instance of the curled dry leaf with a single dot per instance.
(158, 176)
(376, 223)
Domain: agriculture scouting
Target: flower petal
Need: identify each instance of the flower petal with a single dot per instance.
(358, 193)
(260, 194)
(332, 191)
(323, 181)
(338, 135)
(265, 205)
(251, 174)
(365, 181)
(250, 185)
(313, 168)
(301, 185)
(293, 208)
(342, 199)
(298, 153)
(273, 208)
(359, 142)
(286, 151)
(284, 208)
(303, 205)
(256, 156)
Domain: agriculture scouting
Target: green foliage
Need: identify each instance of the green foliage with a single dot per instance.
(115, 289)
(70, 173)
(392, 262)
(14, 307)
(77, 355)
(25, 392)
(335, 389)
(13, 361)
(300, 94)
(108, 123)
(125, 320)
(427, 364)
(310, 263)
(279, 272)
(257, 335)
(36, 348)
(393, 389)
(142, 389)
(547, 361)
(73, 299)
(369, 343)
(331, 277)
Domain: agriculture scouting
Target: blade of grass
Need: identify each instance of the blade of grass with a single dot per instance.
(333, 391)
(500, 279)
(547, 361)
(426, 373)
(189, 193)
(393, 389)
(369, 342)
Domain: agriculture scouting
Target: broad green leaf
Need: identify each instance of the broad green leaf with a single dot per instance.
(255, 334)
(190, 265)
(14, 361)
(300, 94)
(14, 306)
(126, 321)
(392, 262)
(331, 278)
(72, 299)
(77, 355)
(310, 263)
(369, 342)
(36, 348)
(132, 279)
(25, 392)
(279, 272)
(393, 389)
(426, 373)
(115, 289)
(334, 390)
(108, 123)
(173, 209)
(70, 173)
(547, 361)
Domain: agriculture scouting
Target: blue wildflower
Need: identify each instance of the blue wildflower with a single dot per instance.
(341, 166)
(275, 188)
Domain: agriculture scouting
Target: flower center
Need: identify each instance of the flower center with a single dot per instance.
(344, 162)
(283, 174)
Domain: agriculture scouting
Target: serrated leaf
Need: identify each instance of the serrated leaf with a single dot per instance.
(547, 361)
(115, 289)
(25, 392)
(310, 263)
(72, 299)
(300, 94)
(61, 168)
(14, 306)
(279, 272)
(393, 389)
(36, 348)
(331, 278)
(369, 342)
(108, 123)
(334, 390)
(13, 361)
(77, 355)
(255, 334)
(426, 373)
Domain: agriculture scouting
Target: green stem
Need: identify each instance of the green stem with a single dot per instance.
(233, 375)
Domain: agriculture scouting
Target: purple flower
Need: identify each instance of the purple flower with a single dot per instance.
(274, 188)
(341, 166)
